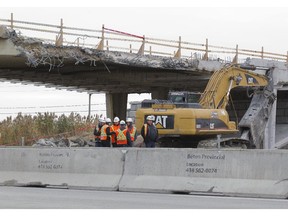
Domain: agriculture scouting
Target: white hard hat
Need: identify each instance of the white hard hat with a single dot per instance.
(108, 120)
(129, 120)
(116, 119)
(101, 120)
(122, 122)
(150, 118)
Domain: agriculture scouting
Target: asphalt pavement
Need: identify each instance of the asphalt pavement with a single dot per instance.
(51, 198)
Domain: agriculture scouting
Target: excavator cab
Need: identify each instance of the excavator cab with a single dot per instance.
(184, 97)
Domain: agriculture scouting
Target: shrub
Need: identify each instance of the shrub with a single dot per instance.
(41, 126)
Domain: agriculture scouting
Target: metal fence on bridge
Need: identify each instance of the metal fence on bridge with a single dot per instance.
(115, 40)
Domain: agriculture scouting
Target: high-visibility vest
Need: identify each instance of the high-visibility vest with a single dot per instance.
(121, 137)
(114, 128)
(132, 133)
(104, 135)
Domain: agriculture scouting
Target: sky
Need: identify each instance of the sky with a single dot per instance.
(250, 25)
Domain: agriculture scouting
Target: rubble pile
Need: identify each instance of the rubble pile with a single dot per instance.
(76, 141)
(63, 142)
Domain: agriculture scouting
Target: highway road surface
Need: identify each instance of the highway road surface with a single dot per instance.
(51, 198)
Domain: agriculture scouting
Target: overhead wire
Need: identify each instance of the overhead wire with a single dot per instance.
(54, 106)
(29, 113)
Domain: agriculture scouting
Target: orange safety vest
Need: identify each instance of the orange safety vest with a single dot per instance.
(121, 137)
(114, 128)
(104, 135)
(132, 133)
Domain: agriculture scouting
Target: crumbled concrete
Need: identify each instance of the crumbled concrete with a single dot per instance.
(63, 142)
(39, 53)
(4, 33)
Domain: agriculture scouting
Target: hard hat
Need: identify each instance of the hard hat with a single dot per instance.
(116, 119)
(101, 120)
(122, 122)
(129, 120)
(150, 118)
(108, 120)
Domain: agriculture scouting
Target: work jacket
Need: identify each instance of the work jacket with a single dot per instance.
(123, 137)
(105, 133)
(149, 133)
(132, 131)
(114, 128)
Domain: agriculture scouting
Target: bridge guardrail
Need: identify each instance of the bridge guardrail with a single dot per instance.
(115, 40)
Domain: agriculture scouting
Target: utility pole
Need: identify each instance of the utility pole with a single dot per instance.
(89, 107)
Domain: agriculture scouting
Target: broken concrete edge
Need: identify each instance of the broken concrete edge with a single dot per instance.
(40, 53)
(4, 32)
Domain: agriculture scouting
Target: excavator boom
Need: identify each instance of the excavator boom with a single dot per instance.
(217, 91)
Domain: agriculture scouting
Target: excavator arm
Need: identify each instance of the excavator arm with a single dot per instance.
(216, 94)
(253, 123)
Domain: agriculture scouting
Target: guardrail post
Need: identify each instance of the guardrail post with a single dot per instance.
(235, 59)
(142, 48)
(101, 43)
(12, 21)
(59, 40)
(262, 52)
(107, 45)
(205, 57)
(150, 50)
(178, 53)
(78, 43)
(89, 108)
(130, 48)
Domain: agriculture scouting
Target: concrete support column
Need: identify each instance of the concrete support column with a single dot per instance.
(116, 105)
(160, 93)
(270, 130)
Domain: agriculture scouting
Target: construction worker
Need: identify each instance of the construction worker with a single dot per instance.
(132, 130)
(108, 122)
(123, 136)
(105, 134)
(97, 132)
(149, 132)
(114, 128)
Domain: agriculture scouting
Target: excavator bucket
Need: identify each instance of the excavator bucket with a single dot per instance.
(256, 117)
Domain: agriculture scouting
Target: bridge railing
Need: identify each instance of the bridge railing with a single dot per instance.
(115, 40)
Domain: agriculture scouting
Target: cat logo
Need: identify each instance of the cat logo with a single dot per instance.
(163, 121)
(212, 126)
(251, 80)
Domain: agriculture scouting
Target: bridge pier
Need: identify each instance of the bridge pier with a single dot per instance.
(116, 105)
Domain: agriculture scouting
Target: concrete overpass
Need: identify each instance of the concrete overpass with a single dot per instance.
(118, 73)
(115, 73)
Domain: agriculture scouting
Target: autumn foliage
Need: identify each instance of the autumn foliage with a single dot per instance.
(42, 125)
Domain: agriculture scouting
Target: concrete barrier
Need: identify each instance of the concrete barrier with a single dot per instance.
(93, 168)
(253, 173)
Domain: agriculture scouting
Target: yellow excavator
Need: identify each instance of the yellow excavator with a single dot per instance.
(198, 124)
